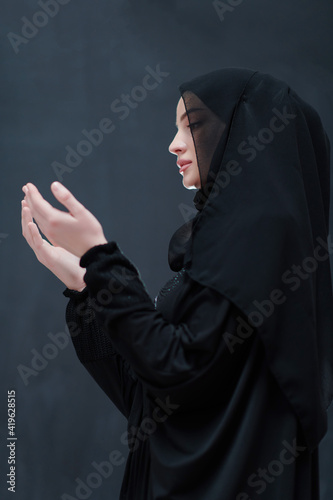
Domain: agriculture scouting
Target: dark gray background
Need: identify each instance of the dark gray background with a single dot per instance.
(63, 81)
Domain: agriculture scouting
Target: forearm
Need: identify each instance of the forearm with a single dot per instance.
(161, 353)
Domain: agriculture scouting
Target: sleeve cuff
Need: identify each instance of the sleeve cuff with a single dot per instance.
(75, 294)
(91, 254)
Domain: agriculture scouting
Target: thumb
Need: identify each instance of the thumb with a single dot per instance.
(66, 198)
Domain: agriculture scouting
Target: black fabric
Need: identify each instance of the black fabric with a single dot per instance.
(236, 349)
(260, 237)
(204, 420)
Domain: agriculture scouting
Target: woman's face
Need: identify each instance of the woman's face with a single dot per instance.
(183, 146)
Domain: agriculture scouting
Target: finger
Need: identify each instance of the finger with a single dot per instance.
(39, 245)
(42, 211)
(26, 229)
(36, 239)
(26, 215)
(25, 208)
(26, 220)
(35, 199)
(67, 198)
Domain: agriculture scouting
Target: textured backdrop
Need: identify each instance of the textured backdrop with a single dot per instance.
(88, 97)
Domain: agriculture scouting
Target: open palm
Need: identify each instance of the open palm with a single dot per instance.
(59, 261)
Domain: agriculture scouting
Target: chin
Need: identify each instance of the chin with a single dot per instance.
(191, 181)
(187, 185)
(191, 184)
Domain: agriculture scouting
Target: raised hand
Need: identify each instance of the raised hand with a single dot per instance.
(59, 261)
(76, 230)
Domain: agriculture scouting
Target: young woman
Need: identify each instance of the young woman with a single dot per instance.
(225, 378)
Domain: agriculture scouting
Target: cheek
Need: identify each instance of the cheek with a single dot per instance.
(197, 174)
(195, 162)
(192, 148)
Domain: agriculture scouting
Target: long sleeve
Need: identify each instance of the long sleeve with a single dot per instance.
(96, 352)
(205, 398)
(164, 354)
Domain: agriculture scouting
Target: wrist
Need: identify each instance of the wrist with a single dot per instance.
(94, 243)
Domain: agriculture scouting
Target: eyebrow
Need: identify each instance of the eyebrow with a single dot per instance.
(188, 112)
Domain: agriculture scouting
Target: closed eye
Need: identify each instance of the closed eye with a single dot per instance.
(194, 125)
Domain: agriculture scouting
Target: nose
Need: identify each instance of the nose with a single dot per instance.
(177, 146)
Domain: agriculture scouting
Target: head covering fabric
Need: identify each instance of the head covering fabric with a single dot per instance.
(260, 236)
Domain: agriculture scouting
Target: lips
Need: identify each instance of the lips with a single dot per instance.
(183, 164)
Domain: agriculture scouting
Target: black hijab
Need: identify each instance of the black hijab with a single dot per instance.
(260, 234)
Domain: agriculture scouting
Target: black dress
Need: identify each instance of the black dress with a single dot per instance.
(206, 418)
